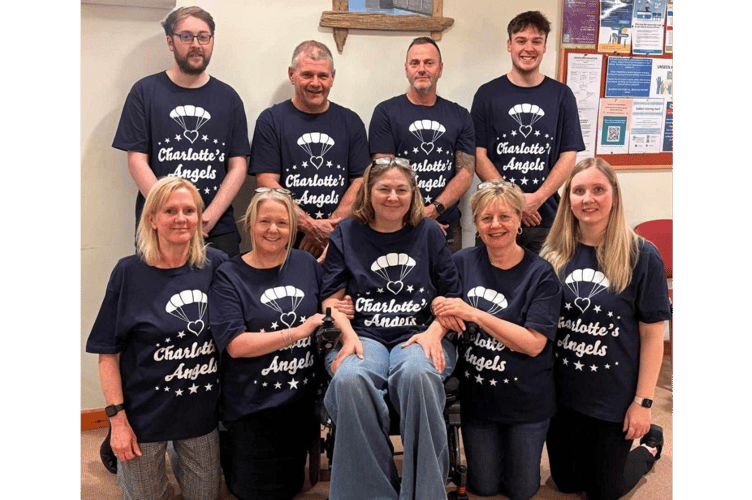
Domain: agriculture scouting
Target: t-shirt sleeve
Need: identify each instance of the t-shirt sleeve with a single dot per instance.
(571, 131)
(651, 302)
(358, 157)
(336, 275)
(225, 308)
(445, 275)
(133, 131)
(239, 144)
(108, 333)
(466, 139)
(478, 114)
(380, 138)
(266, 152)
(543, 311)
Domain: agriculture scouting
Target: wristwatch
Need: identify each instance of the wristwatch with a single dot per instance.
(644, 402)
(439, 207)
(113, 410)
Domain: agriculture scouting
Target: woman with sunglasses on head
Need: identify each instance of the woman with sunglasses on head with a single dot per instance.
(157, 359)
(264, 311)
(393, 263)
(506, 371)
(609, 343)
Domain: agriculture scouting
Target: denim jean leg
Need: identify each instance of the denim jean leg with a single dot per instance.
(362, 465)
(483, 452)
(523, 447)
(416, 390)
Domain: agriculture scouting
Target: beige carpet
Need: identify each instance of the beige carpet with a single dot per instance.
(98, 484)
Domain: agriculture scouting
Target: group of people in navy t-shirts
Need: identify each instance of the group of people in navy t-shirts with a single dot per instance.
(208, 355)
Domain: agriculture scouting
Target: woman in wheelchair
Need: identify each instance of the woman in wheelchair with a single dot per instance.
(506, 371)
(393, 263)
(263, 311)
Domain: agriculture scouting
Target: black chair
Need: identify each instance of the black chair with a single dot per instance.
(326, 337)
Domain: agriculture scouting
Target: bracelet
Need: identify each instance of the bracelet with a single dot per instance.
(289, 337)
(286, 337)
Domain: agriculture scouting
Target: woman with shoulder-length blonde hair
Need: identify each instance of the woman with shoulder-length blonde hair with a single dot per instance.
(609, 342)
(393, 263)
(154, 307)
(264, 311)
(506, 370)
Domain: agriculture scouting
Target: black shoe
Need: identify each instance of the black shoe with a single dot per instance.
(654, 439)
(107, 455)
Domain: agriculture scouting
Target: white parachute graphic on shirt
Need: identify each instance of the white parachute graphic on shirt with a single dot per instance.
(280, 296)
(393, 267)
(190, 118)
(316, 144)
(586, 284)
(496, 300)
(526, 115)
(187, 301)
(426, 131)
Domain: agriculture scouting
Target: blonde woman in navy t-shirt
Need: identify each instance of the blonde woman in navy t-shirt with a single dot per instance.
(609, 343)
(506, 370)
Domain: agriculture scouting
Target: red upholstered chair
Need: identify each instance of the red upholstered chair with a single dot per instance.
(661, 234)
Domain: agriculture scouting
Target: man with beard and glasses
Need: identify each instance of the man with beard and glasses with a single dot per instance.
(186, 123)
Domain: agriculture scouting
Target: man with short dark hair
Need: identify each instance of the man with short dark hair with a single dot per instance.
(527, 128)
(313, 147)
(186, 123)
(435, 134)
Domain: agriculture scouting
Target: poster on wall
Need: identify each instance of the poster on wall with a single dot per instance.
(662, 74)
(584, 78)
(628, 77)
(670, 27)
(646, 127)
(579, 23)
(668, 128)
(647, 27)
(613, 126)
(614, 34)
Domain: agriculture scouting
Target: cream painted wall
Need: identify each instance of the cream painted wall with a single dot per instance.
(254, 43)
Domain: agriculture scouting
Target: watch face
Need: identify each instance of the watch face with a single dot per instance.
(647, 403)
(110, 411)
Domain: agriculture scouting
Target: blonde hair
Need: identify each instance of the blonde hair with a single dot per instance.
(362, 208)
(147, 239)
(617, 252)
(492, 191)
(251, 214)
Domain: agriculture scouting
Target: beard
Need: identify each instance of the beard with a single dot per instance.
(187, 68)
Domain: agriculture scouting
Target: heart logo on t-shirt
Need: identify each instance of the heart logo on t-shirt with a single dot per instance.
(582, 303)
(196, 327)
(317, 161)
(395, 286)
(288, 319)
(191, 135)
(526, 130)
(427, 147)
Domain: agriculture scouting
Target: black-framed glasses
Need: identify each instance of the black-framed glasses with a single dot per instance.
(187, 38)
(284, 191)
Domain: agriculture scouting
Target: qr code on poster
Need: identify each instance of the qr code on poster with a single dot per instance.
(614, 133)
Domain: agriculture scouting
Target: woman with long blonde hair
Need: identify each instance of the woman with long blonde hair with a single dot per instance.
(609, 342)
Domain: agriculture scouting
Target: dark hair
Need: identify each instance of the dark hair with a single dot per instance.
(170, 24)
(530, 18)
(423, 40)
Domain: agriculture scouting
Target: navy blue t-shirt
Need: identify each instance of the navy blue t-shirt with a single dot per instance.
(246, 299)
(157, 320)
(391, 277)
(315, 155)
(525, 129)
(598, 338)
(497, 383)
(429, 137)
(187, 132)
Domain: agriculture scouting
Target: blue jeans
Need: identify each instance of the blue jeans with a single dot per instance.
(363, 466)
(504, 458)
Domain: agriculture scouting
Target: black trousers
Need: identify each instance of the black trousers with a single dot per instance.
(591, 455)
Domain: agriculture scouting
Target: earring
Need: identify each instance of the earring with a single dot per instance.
(519, 230)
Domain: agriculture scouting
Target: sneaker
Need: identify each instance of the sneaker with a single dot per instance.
(654, 439)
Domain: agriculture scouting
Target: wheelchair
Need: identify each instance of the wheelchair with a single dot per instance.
(326, 337)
